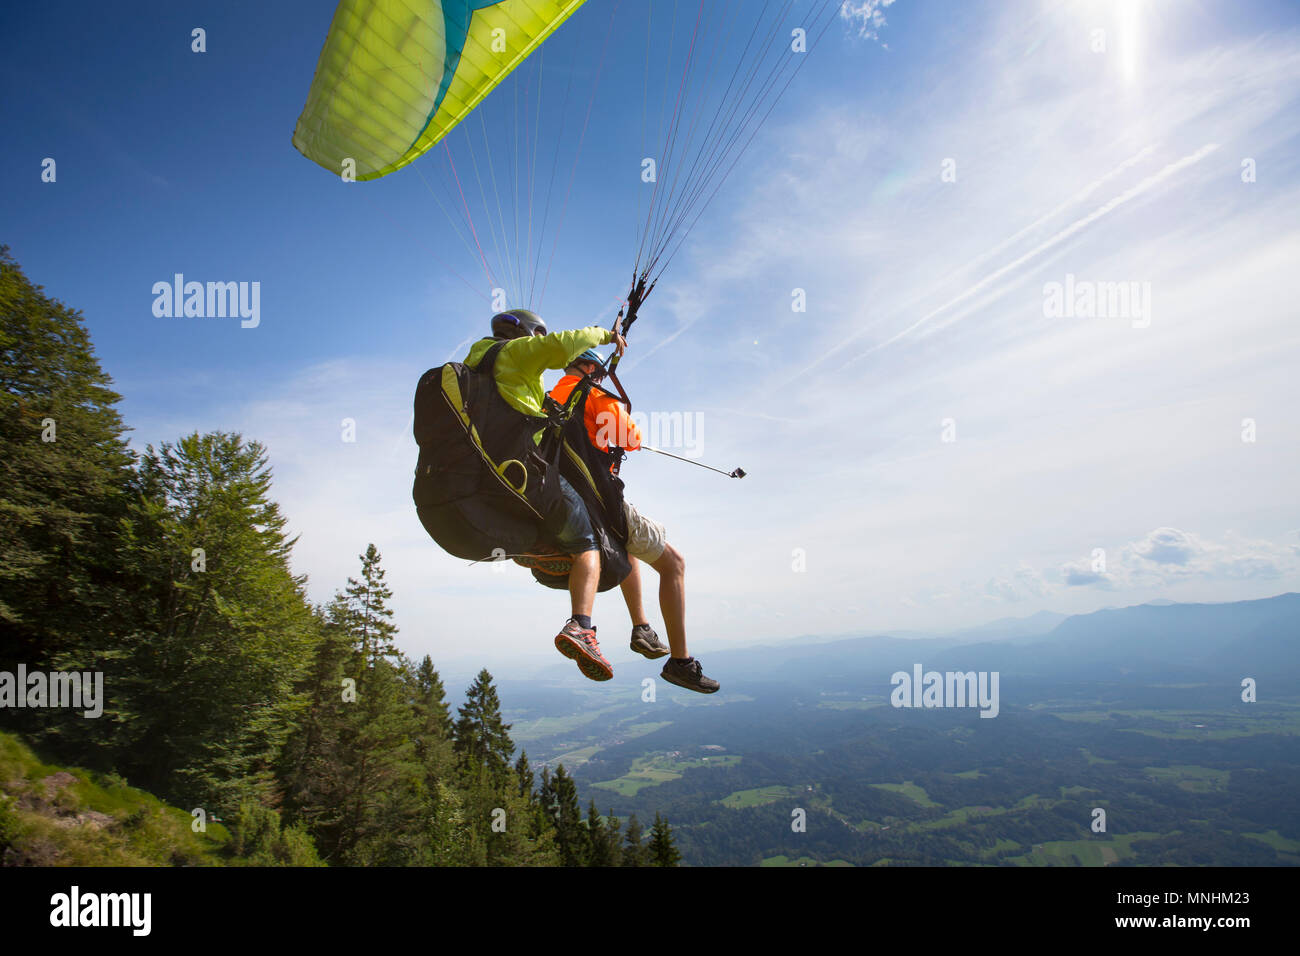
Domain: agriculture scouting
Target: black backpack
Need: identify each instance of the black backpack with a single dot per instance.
(482, 484)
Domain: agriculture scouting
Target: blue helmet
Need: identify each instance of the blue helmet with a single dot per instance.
(591, 355)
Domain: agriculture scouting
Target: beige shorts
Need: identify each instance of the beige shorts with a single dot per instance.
(646, 539)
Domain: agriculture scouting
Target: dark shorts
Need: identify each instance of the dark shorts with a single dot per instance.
(567, 522)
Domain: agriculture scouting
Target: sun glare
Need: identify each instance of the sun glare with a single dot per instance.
(1128, 17)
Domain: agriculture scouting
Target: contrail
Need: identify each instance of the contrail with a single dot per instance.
(1057, 239)
(455, 355)
(660, 344)
(1078, 197)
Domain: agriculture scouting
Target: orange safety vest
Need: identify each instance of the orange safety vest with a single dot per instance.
(606, 416)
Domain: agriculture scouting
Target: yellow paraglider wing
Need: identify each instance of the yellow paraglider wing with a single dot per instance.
(395, 76)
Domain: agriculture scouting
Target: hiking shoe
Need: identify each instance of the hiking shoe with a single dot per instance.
(646, 642)
(688, 674)
(579, 644)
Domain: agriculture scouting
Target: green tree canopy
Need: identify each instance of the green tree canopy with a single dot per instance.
(64, 470)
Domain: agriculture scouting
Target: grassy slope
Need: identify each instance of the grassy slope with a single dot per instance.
(57, 816)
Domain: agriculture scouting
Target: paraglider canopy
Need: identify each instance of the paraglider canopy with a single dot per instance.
(395, 76)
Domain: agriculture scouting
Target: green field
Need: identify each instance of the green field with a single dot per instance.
(1094, 852)
(640, 730)
(527, 732)
(962, 816)
(851, 704)
(573, 740)
(704, 700)
(910, 790)
(1278, 718)
(1276, 841)
(757, 797)
(801, 861)
(1079, 791)
(576, 758)
(958, 817)
(1190, 777)
(661, 768)
(1092, 759)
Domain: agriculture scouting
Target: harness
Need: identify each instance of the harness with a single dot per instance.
(482, 485)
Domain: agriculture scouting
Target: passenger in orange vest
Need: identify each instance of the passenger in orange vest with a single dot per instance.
(607, 421)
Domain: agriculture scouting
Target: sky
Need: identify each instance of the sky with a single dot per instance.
(895, 315)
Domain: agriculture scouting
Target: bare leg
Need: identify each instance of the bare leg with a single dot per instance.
(631, 587)
(672, 597)
(583, 579)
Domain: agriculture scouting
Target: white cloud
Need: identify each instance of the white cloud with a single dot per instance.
(1081, 574)
(1165, 557)
(867, 16)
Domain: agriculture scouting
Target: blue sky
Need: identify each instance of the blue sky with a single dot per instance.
(1074, 439)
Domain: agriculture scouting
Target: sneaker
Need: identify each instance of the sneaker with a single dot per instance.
(688, 674)
(579, 644)
(646, 642)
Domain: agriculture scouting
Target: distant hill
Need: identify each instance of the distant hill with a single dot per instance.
(1180, 641)
(1035, 625)
(1153, 642)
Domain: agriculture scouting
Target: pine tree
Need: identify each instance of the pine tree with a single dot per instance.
(434, 744)
(634, 851)
(207, 684)
(385, 795)
(662, 851)
(370, 621)
(613, 837)
(494, 803)
(433, 699)
(570, 835)
(65, 473)
(541, 826)
(544, 804)
(525, 776)
(451, 839)
(361, 785)
(546, 790)
(512, 843)
(599, 851)
(481, 737)
(313, 758)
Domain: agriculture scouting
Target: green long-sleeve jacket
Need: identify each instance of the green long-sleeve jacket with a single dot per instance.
(522, 361)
